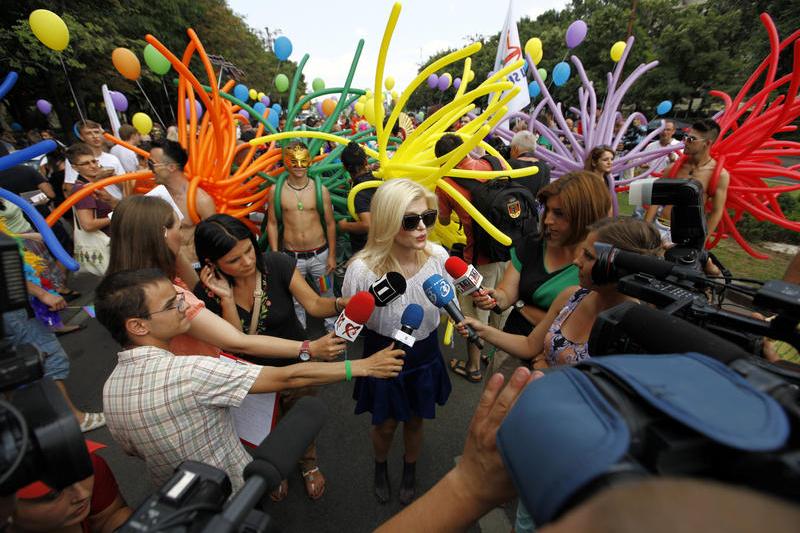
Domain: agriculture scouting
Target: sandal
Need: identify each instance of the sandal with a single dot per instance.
(460, 367)
(281, 492)
(315, 483)
(92, 421)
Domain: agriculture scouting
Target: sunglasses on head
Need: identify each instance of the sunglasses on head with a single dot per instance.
(410, 222)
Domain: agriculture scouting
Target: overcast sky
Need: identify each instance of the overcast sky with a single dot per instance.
(329, 31)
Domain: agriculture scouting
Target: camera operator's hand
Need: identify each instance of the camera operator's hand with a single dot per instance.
(475, 324)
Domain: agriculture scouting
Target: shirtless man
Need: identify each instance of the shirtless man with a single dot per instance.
(311, 241)
(699, 166)
(167, 162)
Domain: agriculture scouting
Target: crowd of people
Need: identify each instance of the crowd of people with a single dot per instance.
(176, 294)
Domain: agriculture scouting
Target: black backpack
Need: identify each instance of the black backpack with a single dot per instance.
(506, 203)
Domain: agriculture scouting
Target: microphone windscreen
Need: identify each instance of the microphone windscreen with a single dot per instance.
(360, 307)
(412, 316)
(284, 446)
(438, 290)
(455, 266)
(659, 333)
(397, 281)
(635, 263)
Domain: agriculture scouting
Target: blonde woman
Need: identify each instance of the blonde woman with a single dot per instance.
(401, 214)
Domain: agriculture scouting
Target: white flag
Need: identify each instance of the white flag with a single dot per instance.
(509, 50)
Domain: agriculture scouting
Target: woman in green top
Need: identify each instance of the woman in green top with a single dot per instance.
(541, 266)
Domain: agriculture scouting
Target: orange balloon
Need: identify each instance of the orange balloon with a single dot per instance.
(126, 63)
(328, 106)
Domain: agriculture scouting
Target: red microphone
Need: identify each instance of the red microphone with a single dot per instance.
(466, 277)
(356, 313)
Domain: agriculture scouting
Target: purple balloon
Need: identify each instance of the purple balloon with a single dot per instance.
(456, 83)
(244, 113)
(444, 83)
(576, 33)
(433, 81)
(44, 106)
(198, 108)
(265, 100)
(119, 100)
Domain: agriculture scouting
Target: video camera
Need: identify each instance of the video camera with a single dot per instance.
(41, 439)
(192, 500)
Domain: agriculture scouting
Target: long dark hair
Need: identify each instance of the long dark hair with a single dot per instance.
(217, 235)
(137, 235)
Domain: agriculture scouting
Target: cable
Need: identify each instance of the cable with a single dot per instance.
(23, 446)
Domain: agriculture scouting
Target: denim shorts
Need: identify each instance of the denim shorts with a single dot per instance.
(23, 330)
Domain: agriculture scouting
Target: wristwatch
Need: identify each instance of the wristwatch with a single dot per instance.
(305, 353)
(519, 304)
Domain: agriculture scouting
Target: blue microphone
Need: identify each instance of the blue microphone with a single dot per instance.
(442, 295)
(411, 320)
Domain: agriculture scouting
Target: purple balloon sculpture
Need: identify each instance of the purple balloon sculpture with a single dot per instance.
(576, 33)
(119, 100)
(433, 81)
(44, 106)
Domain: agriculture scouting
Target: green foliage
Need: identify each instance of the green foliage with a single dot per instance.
(755, 231)
(97, 28)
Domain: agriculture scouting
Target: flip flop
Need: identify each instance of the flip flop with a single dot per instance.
(92, 421)
(459, 367)
(312, 477)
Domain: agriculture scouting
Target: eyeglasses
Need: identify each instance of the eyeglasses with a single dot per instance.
(180, 305)
(89, 162)
(410, 222)
(692, 138)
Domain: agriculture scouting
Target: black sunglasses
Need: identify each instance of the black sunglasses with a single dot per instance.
(410, 222)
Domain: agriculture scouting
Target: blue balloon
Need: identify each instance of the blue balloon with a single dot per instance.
(259, 108)
(16, 126)
(282, 48)
(561, 73)
(533, 89)
(241, 92)
(277, 108)
(20, 156)
(41, 224)
(273, 118)
(664, 107)
(8, 83)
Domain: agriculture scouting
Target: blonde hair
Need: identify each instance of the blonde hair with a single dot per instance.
(388, 206)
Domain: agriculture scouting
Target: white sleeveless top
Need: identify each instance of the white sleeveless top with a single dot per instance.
(385, 320)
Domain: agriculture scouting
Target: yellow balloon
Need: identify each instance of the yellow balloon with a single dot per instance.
(253, 94)
(142, 123)
(261, 96)
(534, 49)
(368, 93)
(388, 83)
(617, 50)
(470, 75)
(369, 111)
(395, 96)
(50, 29)
(359, 107)
(362, 99)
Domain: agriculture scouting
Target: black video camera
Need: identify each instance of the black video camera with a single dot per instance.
(41, 439)
(192, 500)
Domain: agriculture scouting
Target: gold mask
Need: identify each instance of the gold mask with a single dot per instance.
(296, 156)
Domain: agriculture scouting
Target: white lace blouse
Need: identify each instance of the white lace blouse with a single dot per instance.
(385, 320)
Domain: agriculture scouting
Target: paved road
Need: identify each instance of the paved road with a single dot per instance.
(344, 448)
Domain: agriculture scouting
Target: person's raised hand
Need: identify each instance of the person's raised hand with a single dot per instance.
(327, 347)
(480, 473)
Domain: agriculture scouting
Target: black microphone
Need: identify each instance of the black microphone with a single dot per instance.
(660, 333)
(387, 288)
(613, 263)
(442, 295)
(274, 460)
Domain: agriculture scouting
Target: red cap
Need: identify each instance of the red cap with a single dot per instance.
(455, 266)
(360, 307)
(37, 489)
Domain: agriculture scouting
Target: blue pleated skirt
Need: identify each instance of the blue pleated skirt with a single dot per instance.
(423, 383)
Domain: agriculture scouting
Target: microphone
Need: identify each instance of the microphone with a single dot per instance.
(411, 320)
(613, 263)
(351, 320)
(274, 460)
(467, 278)
(387, 288)
(441, 294)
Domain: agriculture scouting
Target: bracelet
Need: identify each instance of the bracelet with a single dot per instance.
(336, 305)
(348, 372)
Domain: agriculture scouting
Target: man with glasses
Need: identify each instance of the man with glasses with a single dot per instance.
(167, 162)
(306, 236)
(699, 165)
(92, 211)
(167, 409)
(92, 136)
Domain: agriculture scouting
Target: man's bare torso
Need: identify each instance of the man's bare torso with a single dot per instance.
(302, 227)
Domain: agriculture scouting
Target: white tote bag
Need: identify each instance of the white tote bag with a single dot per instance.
(92, 249)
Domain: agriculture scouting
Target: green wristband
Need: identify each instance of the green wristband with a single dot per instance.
(348, 373)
